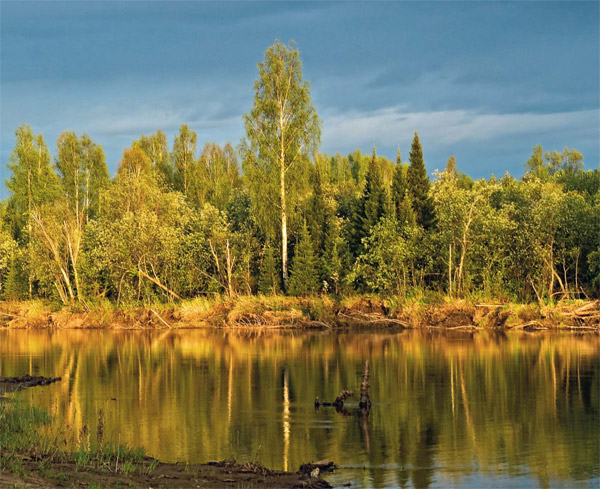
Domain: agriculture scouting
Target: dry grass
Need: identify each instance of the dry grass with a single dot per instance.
(279, 311)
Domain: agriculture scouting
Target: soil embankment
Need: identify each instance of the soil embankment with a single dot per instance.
(309, 312)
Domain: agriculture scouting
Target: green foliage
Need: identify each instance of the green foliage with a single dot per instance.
(19, 428)
(336, 259)
(83, 171)
(15, 280)
(135, 162)
(569, 161)
(305, 278)
(156, 148)
(171, 226)
(131, 251)
(8, 252)
(212, 257)
(33, 181)
(419, 185)
(399, 185)
(372, 205)
(216, 176)
(383, 266)
(184, 151)
(317, 212)
(268, 281)
(282, 132)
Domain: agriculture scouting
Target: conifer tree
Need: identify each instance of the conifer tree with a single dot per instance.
(398, 190)
(418, 186)
(405, 214)
(268, 278)
(318, 213)
(336, 258)
(372, 204)
(15, 284)
(304, 279)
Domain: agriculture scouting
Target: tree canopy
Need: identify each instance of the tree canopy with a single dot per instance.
(174, 224)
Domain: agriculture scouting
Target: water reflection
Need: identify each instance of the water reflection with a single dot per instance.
(469, 410)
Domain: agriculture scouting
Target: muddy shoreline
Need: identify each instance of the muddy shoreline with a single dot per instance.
(45, 473)
(28, 466)
(280, 312)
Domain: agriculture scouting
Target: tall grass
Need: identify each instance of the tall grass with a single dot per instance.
(24, 430)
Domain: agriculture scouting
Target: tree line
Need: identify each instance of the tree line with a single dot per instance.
(176, 223)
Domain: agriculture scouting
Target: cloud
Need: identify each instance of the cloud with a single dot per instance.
(147, 119)
(443, 129)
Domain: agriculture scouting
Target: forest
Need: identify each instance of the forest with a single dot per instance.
(274, 215)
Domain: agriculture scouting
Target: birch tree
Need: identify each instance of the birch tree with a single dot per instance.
(33, 182)
(282, 129)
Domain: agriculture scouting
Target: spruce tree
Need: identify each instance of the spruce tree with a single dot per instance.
(372, 204)
(398, 190)
(304, 279)
(405, 214)
(317, 221)
(418, 186)
(336, 257)
(268, 279)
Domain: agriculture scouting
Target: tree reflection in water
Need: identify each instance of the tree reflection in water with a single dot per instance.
(457, 409)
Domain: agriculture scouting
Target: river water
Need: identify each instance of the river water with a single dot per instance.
(449, 410)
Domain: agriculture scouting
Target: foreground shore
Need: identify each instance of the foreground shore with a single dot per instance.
(48, 473)
(31, 456)
(305, 312)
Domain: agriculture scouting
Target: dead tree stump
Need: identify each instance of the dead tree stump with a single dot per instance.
(365, 402)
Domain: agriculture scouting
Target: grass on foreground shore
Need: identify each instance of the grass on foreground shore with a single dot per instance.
(319, 311)
(32, 455)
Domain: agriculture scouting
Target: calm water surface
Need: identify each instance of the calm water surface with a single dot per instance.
(481, 410)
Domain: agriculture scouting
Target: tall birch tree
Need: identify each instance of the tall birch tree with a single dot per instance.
(282, 130)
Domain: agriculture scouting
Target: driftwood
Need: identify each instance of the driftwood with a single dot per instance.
(365, 401)
(338, 402)
(364, 407)
(529, 326)
(162, 320)
(365, 318)
(588, 313)
(320, 466)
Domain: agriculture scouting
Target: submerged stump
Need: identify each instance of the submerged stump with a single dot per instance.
(365, 401)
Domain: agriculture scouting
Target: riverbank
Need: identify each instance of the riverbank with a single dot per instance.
(31, 456)
(306, 312)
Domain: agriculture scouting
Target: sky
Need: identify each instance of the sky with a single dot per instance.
(484, 81)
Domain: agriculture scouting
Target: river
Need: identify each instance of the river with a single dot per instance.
(470, 410)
